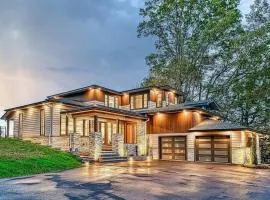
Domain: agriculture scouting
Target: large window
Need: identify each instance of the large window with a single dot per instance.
(20, 124)
(159, 99)
(170, 98)
(111, 101)
(42, 122)
(139, 101)
(85, 128)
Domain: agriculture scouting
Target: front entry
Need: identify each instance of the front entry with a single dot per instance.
(213, 149)
(173, 148)
(107, 129)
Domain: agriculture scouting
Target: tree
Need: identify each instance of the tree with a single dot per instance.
(244, 92)
(190, 37)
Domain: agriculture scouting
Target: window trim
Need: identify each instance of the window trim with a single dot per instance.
(40, 118)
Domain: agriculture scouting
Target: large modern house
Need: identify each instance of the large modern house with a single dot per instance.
(145, 121)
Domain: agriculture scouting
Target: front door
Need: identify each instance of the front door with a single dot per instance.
(106, 131)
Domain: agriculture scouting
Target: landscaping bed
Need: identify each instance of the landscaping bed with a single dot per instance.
(20, 158)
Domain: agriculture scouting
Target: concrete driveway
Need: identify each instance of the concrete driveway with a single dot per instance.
(142, 180)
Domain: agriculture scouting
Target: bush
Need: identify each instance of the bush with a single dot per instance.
(265, 149)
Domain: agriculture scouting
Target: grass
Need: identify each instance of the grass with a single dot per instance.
(260, 166)
(20, 158)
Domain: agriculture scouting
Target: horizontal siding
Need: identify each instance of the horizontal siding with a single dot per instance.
(31, 120)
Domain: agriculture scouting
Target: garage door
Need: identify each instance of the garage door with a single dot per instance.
(173, 148)
(213, 149)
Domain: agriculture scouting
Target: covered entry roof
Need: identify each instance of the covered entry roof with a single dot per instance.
(106, 109)
(217, 125)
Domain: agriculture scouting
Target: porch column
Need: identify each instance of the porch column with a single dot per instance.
(117, 126)
(7, 133)
(95, 123)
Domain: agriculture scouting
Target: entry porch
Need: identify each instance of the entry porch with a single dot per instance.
(92, 131)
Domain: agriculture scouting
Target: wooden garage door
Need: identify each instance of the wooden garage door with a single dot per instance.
(213, 149)
(173, 148)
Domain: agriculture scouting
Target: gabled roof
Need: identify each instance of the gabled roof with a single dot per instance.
(83, 89)
(217, 125)
(105, 108)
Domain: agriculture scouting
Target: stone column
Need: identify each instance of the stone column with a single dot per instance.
(141, 138)
(95, 145)
(118, 143)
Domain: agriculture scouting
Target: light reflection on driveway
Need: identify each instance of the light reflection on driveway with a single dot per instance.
(143, 180)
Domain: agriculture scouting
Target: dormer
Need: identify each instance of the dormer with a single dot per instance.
(90, 95)
(149, 97)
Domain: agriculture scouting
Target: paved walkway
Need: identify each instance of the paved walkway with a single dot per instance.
(142, 180)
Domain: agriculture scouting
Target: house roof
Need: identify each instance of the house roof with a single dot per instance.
(142, 89)
(217, 125)
(200, 105)
(83, 89)
(69, 102)
(107, 109)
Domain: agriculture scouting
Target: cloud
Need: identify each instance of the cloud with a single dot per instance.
(51, 46)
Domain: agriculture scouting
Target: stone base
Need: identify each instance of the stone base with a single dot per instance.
(130, 149)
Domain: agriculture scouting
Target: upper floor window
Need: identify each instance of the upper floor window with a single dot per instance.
(175, 100)
(111, 101)
(139, 101)
(170, 98)
(159, 99)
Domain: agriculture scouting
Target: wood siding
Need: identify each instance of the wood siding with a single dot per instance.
(31, 120)
(173, 122)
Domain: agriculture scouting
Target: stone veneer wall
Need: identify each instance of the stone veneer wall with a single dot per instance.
(62, 143)
(95, 145)
(130, 149)
(39, 140)
(142, 138)
(118, 143)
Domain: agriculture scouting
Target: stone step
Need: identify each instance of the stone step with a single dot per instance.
(86, 159)
(109, 156)
(117, 159)
(107, 152)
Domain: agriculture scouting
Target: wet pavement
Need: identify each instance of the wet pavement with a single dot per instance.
(143, 180)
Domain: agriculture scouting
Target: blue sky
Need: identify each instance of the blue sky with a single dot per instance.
(50, 46)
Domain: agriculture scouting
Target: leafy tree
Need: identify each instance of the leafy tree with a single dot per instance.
(190, 36)
(244, 93)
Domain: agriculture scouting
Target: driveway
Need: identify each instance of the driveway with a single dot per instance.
(142, 180)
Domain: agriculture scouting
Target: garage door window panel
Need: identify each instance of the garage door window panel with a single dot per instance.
(215, 149)
(173, 148)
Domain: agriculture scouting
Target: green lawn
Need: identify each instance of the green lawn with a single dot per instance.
(19, 158)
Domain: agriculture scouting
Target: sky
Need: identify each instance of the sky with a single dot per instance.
(51, 46)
